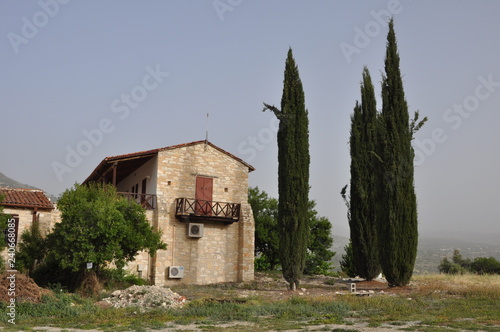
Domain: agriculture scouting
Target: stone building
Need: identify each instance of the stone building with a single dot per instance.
(196, 194)
(27, 206)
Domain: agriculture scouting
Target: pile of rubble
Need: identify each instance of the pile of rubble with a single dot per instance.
(145, 297)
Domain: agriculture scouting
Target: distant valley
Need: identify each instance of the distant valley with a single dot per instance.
(431, 250)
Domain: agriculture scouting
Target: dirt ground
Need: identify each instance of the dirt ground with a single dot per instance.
(275, 288)
(264, 285)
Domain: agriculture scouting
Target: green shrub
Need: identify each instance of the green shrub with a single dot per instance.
(119, 279)
(459, 265)
(483, 265)
(261, 263)
(49, 272)
(450, 267)
(347, 263)
(32, 249)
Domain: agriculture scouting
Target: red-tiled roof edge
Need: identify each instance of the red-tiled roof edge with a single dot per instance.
(148, 152)
(131, 155)
(34, 198)
(116, 158)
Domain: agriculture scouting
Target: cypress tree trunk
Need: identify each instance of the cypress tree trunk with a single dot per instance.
(363, 198)
(293, 175)
(397, 212)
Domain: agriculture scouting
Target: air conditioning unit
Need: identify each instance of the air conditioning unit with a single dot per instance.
(175, 272)
(195, 230)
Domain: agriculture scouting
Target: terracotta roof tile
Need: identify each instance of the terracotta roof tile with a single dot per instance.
(104, 164)
(30, 198)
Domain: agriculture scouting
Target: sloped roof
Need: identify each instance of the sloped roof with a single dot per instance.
(137, 159)
(28, 198)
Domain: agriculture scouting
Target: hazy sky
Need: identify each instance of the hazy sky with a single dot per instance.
(82, 80)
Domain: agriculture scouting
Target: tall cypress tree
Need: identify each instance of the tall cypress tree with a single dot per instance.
(397, 212)
(363, 198)
(293, 175)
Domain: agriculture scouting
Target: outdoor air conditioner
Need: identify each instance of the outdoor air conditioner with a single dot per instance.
(195, 230)
(175, 272)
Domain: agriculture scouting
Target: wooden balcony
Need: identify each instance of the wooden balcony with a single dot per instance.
(147, 201)
(190, 209)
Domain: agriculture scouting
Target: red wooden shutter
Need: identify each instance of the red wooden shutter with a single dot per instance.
(203, 195)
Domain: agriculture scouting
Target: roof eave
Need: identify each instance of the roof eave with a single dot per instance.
(28, 206)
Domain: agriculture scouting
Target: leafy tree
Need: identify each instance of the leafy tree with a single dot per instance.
(319, 254)
(101, 227)
(32, 249)
(3, 225)
(457, 258)
(460, 265)
(363, 196)
(347, 263)
(448, 267)
(265, 211)
(397, 212)
(483, 265)
(293, 175)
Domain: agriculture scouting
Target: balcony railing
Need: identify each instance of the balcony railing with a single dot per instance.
(196, 209)
(147, 201)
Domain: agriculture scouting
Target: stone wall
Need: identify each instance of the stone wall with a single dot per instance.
(225, 252)
(46, 219)
(143, 262)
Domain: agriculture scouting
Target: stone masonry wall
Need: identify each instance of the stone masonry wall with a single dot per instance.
(142, 265)
(225, 252)
(46, 219)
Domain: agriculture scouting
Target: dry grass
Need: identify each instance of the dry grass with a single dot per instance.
(436, 302)
(90, 285)
(466, 285)
(430, 303)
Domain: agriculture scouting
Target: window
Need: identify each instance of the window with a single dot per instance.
(135, 190)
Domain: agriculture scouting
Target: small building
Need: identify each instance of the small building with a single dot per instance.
(27, 206)
(196, 194)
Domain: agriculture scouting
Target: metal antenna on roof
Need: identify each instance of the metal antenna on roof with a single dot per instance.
(206, 132)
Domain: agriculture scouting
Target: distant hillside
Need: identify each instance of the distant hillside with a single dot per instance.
(5, 181)
(431, 251)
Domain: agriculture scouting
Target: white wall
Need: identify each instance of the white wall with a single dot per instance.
(148, 169)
